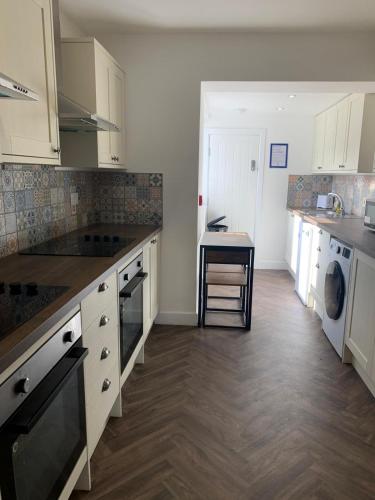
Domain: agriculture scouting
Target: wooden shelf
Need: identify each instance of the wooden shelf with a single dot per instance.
(225, 268)
(230, 279)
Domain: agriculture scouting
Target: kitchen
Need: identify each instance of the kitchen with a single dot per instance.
(114, 178)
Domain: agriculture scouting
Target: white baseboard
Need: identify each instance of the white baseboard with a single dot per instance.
(176, 318)
(271, 264)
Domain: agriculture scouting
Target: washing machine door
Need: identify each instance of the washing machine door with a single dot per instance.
(334, 290)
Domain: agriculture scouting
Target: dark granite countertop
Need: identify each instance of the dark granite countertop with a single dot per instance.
(348, 229)
(80, 274)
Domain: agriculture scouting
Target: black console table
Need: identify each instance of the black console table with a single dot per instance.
(226, 259)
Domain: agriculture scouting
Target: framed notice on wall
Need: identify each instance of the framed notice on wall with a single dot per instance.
(279, 155)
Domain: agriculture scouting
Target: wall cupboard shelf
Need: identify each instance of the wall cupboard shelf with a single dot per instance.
(92, 78)
(344, 140)
(29, 131)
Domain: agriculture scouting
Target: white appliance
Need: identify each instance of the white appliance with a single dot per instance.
(303, 275)
(370, 215)
(336, 293)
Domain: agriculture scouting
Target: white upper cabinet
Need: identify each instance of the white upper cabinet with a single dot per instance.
(344, 139)
(94, 80)
(29, 129)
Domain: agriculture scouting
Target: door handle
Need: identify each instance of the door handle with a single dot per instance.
(253, 165)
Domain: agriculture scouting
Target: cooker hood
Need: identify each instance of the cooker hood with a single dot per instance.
(75, 118)
(10, 89)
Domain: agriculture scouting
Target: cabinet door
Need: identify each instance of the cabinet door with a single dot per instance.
(343, 109)
(154, 277)
(357, 102)
(147, 318)
(360, 328)
(295, 243)
(29, 130)
(289, 239)
(102, 71)
(116, 108)
(323, 261)
(330, 139)
(320, 130)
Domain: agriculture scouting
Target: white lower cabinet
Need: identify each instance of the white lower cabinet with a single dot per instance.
(319, 263)
(360, 324)
(100, 334)
(292, 242)
(151, 284)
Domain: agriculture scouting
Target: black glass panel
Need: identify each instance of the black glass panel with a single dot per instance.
(131, 324)
(44, 458)
(334, 290)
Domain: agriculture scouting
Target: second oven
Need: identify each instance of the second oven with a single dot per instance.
(131, 308)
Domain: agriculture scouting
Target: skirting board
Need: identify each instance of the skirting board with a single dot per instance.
(176, 318)
(271, 264)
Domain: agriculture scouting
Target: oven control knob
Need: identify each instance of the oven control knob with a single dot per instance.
(69, 337)
(23, 386)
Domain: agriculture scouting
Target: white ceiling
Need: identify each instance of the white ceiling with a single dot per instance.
(246, 102)
(99, 16)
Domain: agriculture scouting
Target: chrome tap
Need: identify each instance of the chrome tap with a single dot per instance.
(340, 208)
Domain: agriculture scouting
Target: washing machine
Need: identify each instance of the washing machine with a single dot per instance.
(336, 289)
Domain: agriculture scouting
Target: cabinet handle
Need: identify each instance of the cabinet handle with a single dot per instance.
(341, 166)
(153, 242)
(103, 287)
(105, 353)
(320, 168)
(104, 320)
(317, 266)
(56, 150)
(320, 231)
(106, 384)
(319, 249)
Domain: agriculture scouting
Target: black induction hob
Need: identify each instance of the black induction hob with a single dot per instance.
(83, 245)
(20, 302)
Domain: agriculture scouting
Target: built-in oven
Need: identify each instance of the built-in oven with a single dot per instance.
(42, 418)
(131, 308)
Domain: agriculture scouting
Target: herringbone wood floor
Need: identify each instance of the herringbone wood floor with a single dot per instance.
(220, 414)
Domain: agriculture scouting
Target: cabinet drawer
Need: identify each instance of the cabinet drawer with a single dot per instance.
(103, 295)
(99, 405)
(102, 341)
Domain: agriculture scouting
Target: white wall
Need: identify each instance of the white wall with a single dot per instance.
(298, 132)
(68, 27)
(163, 76)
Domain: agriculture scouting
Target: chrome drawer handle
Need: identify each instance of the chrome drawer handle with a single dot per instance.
(103, 287)
(105, 353)
(106, 385)
(104, 320)
(341, 166)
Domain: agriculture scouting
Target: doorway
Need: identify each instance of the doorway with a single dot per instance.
(234, 175)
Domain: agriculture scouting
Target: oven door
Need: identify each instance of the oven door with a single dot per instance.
(131, 317)
(42, 441)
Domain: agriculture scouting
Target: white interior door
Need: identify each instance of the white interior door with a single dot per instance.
(233, 167)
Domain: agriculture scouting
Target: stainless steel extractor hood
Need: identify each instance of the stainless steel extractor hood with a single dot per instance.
(10, 89)
(75, 118)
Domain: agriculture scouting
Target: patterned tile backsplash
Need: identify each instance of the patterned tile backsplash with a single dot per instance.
(303, 190)
(35, 202)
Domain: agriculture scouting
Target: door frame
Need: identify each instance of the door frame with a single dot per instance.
(250, 131)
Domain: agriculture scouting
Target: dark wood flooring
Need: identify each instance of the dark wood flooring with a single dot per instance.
(223, 414)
